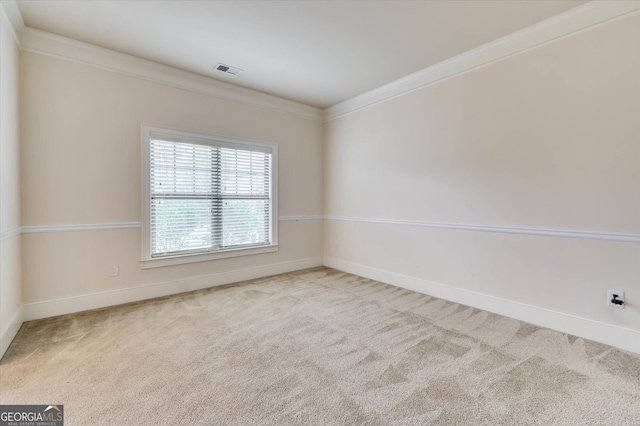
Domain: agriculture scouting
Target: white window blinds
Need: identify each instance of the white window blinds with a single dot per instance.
(207, 198)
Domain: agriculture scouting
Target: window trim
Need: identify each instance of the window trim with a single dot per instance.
(173, 134)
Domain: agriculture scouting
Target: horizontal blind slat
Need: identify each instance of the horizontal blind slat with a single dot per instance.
(207, 198)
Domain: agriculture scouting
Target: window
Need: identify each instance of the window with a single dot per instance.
(206, 197)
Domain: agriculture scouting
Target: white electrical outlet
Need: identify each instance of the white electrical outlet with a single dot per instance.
(615, 298)
(115, 270)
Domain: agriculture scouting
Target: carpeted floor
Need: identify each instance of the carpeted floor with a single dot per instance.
(317, 347)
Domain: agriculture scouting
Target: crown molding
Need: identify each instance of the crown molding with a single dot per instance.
(45, 43)
(14, 17)
(577, 19)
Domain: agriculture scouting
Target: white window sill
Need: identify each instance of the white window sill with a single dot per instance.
(203, 257)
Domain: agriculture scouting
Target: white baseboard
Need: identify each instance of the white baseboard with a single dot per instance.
(68, 305)
(609, 334)
(620, 337)
(10, 331)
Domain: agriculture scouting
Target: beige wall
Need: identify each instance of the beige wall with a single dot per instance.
(81, 164)
(549, 138)
(10, 279)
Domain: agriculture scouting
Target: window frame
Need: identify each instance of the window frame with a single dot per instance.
(149, 131)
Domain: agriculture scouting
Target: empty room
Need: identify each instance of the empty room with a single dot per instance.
(320, 212)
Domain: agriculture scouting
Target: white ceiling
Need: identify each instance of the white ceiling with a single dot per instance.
(315, 52)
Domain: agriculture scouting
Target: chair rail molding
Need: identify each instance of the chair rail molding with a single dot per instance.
(38, 229)
(566, 233)
(7, 235)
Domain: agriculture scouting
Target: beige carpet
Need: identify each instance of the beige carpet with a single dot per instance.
(315, 347)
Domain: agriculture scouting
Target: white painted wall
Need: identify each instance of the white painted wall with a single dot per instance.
(81, 164)
(548, 138)
(10, 250)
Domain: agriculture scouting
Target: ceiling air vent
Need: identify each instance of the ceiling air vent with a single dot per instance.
(228, 69)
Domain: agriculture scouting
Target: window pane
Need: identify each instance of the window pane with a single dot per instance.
(245, 172)
(179, 225)
(207, 197)
(182, 168)
(245, 222)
